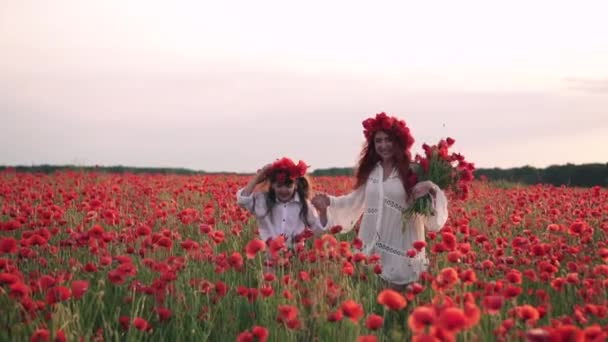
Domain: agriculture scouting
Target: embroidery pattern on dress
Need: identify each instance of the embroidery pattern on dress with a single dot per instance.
(394, 205)
(389, 249)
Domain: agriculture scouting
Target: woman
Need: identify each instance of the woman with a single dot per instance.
(385, 187)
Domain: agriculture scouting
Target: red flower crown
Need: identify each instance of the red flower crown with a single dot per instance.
(390, 124)
(285, 168)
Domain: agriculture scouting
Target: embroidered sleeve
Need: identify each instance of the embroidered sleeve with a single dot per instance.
(346, 210)
(440, 205)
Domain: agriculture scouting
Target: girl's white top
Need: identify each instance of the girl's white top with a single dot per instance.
(382, 204)
(284, 218)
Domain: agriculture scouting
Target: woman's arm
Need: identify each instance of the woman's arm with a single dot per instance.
(342, 210)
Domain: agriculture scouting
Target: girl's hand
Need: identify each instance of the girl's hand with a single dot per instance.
(262, 173)
(423, 188)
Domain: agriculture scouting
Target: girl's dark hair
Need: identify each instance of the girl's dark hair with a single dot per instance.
(369, 158)
(303, 186)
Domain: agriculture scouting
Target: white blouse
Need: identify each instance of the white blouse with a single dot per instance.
(382, 204)
(284, 219)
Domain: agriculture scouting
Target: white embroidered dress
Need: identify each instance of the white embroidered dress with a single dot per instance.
(382, 204)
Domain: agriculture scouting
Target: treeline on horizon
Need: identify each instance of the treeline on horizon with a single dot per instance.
(107, 169)
(584, 175)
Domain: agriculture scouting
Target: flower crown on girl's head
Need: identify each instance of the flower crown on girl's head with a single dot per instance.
(391, 124)
(285, 169)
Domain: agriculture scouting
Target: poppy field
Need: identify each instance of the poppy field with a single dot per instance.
(97, 256)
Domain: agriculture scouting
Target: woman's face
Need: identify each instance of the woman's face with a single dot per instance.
(284, 191)
(384, 145)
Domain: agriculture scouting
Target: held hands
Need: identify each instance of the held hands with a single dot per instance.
(320, 202)
(423, 188)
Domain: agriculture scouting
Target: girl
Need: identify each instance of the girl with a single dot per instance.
(385, 187)
(284, 207)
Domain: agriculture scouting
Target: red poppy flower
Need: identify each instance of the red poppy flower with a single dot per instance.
(493, 304)
(163, 314)
(124, 321)
(8, 278)
(116, 277)
(217, 236)
(205, 228)
(245, 336)
(96, 232)
(452, 320)
(79, 287)
(221, 289)
(352, 310)
(276, 245)
(261, 333)
(568, 332)
(420, 318)
(335, 229)
(8, 245)
(425, 338)
(472, 313)
(141, 324)
(374, 322)
(514, 276)
(60, 336)
(392, 299)
(19, 290)
(335, 316)
(287, 313)
(419, 245)
(595, 333)
(236, 260)
(41, 335)
(165, 242)
(527, 313)
(266, 290)
(253, 247)
(57, 294)
(269, 277)
(447, 278)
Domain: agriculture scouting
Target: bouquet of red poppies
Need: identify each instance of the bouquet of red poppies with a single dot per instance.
(449, 171)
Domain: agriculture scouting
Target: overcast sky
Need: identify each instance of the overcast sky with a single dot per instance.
(232, 85)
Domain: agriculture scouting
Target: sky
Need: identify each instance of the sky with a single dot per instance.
(233, 85)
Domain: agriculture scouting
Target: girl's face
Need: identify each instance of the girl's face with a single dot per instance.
(384, 145)
(284, 191)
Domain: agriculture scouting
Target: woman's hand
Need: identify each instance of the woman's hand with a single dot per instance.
(320, 202)
(423, 188)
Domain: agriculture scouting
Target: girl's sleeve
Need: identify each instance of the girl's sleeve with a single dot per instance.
(249, 202)
(440, 206)
(345, 210)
